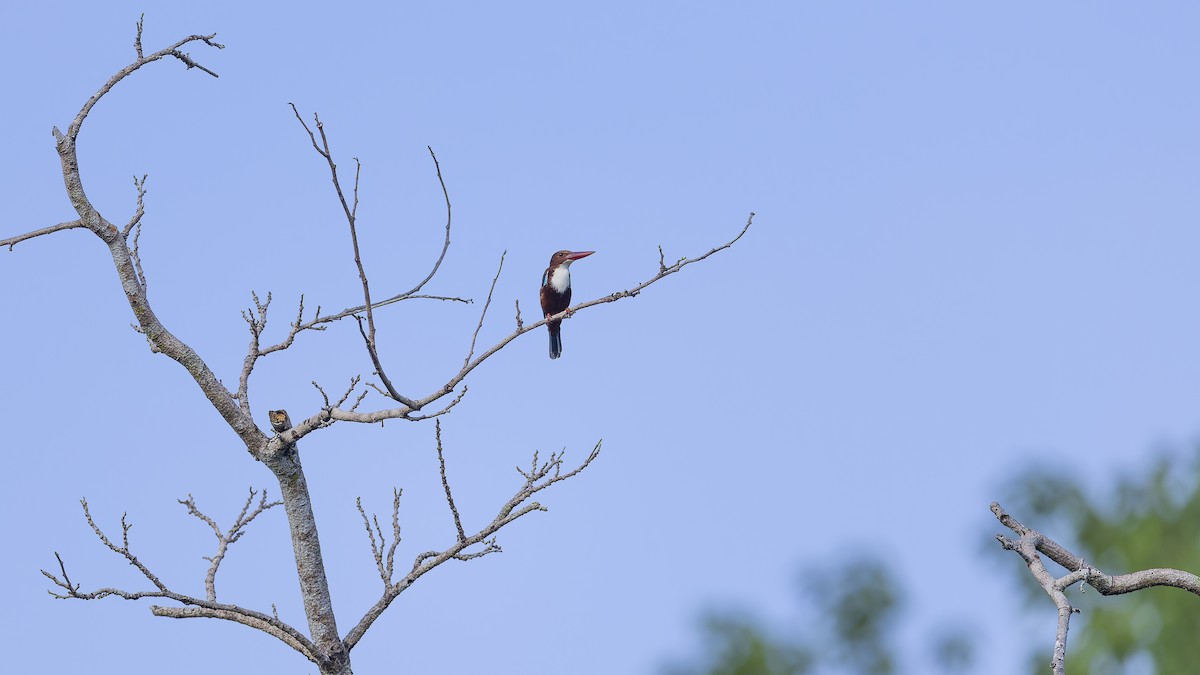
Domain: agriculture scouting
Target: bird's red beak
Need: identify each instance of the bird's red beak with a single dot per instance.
(579, 254)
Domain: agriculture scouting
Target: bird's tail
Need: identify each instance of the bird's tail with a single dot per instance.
(555, 341)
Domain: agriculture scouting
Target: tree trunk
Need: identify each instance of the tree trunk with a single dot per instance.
(310, 566)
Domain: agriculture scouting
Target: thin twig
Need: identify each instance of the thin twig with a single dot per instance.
(383, 560)
(140, 186)
(445, 244)
(13, 241)
(135, 253)
(389, 566)
(446, 484)
(375, 552)
(296, 327)
(137, 41)
(443, 411)
(483, 314)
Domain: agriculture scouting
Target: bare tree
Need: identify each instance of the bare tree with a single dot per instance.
(1031, 545)
(322, 644)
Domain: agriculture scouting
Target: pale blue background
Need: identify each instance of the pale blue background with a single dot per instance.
(976, 246)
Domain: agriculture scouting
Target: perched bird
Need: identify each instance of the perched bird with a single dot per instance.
(556, 293)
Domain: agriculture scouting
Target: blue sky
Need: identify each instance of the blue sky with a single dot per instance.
(975, 248)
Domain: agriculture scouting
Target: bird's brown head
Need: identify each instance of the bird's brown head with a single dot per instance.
(565, 257)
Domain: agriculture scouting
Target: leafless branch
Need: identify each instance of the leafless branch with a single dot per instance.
(224, 539)
(1030, 543)
(187, 58)
(13, 241)
(375, 552)
(65, 582)
(369, 339)
(443, 411)
(123, 549)
(445, 244)
(173, 50)
(320, 320)
(296, 327)
(256, 319)
(424, 296)
(350, 390)
(136, 220)
(140, 186)
(483, 314)
(520, 323)
(323, 394)
(137, 41)
(271, 625)
(1104, 583)
(136, 254)
(383, 559)
(446, 484)
(538, 478)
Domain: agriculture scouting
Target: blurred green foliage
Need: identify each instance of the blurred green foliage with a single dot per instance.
(736, 644)
(852, 610)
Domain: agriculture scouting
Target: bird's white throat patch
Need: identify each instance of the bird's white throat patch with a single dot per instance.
(560, 279)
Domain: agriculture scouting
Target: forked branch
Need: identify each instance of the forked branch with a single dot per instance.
(225, 538)
(1031, 545)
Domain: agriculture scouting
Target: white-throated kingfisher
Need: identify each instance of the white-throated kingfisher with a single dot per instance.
(556, 293)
